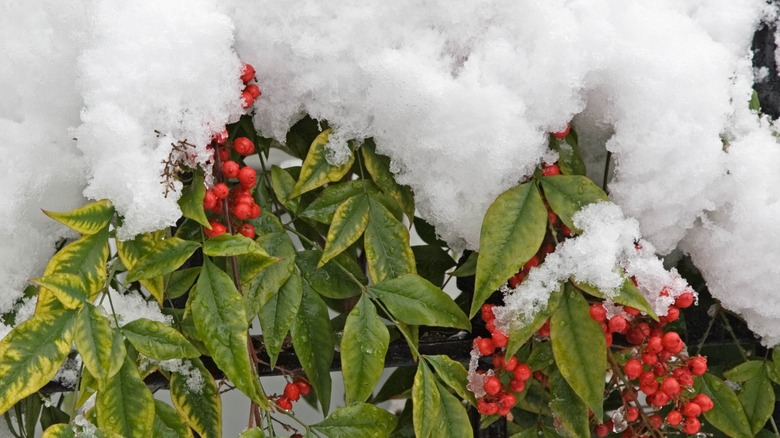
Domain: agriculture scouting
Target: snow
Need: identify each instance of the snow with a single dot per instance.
(131, 306)
(462, 100)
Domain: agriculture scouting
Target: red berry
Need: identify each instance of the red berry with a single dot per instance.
(247, 73)
(562, 134)
(618, 324)
(674, 418)
(654, 344)
(246, 99)
(209, 200)
(230, 169)
(221, 191)
(487, 408)
(598, 312)
(517, 279)
(491, 325)
(631, 311)
(656, 421)
(247, 177)
(487, 312)
(503, 410)
(499, 339)
(601, 430)
(224, 153)
(698, 365)
(485, 346)
(254, 90)
(255, 211)
(216, 229)
(649, 358)
(516, 385)
(704, 401)
(511, 364)
(672, 314)
(672, 342)
(632, 413)
(292, 392)
(684, 376)
(243, 146)
(553, 217)
(551, 170)
(217, 208)
(632, 368)
(685, 300)
(247, 230)
(670, 386)
(303, 387)
(243, 198)
(531, 263)
(692, 409)
(544, 331)
(221, 136)
(508, 400)
(608, 339)
(691, 426)
(284, 403)
(492, 385)
(242, 211)
(659, 399)
(523, 372)
(659, 369)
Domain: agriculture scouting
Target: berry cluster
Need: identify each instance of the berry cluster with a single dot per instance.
(292, 392)
(238, 200)
(498, 398)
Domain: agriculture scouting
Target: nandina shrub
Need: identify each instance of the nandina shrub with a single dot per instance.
(566, 348)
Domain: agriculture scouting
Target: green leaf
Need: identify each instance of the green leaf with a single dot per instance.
(453, 421)
(226, 245)
(61, 430)
(88, 219)
(580, 349)
(199, 406)
(427, 401)
(68, 288)
(191, 201)
(259, 290)
(363, 349)
(512, 232)
(31, 354)
(324, 207)
(414, 300)
(568, 406)
(378, 167)
(101, 349)
(349, 223)
(125, 405)
(168, 423)
(254, 432)
(727, 414)
(432, 262)
(386, 243)
(337, 279)
(131, 251)
(166, 256)
(453, 374)
(754, 104)
(358, 420)
(220, 319)
(468, 268)
(158, 341)
(627, 295)
(180, 282)
(520, 331)
(541, 356)
(569, 158)
(398, 382)
(277, 315)
(567, 194)
(87, 257)
(316, 171)
(314, 342)
(756, 395)
(282, 184)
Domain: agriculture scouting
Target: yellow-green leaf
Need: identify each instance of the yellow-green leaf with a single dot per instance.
(277, 314)
(101, 350)
(453, 374)
(191, 201)
(363, 348)
(568, 406)
(180, 282)
(521, 330)
(567, 194)
(282, 184)
(168, 423)
(259, 290)
(339, 278)
(314, 342)
(349, 223)
(158, 341)
(254, 432)
(31, 354)
(427, 403)
(125, 405)
(580, 349)
(220, 319)
(323, 208)
(68, 288)
(386, 241)
(226, 245)
(87, 257)
(316, 171)
(512, 232)
(414, 300)
(569, 157)
(756, 394)
(130, 251)
(166, 256)
(378, 167)
(199, 405)
(453, 422)
(59, 430)
(88, 219)
(727, 414)
(358, 420)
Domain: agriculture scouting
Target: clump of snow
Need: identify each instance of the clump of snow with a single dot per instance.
(24, 311)
(152, 74)
(598, 257)
(193, 378)
(69, 372)
(131, 306)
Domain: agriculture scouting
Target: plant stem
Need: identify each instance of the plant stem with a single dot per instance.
(606, 172)
(707, 332)
(733, 335)
(616, 370)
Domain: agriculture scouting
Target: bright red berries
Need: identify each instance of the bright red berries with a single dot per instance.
(216, 229)
(487, 408)
(672, 342)
(254, 90)
(562, 134)
(485, 346)
(670, 386)
(492, 385)
(292, 392)
(632, 413)
(698, 365)
(246, 99)
(674, 418)
(551, 170)
(284, 403)
(243, 146)
(632, 368)
(230, 169)
(221, 191)
(221, 136)
(247, 73)
(692, 409)
(523, 372)
(247, 230)
(691, 426)
(704, 401)
(601, 430)
(303, 387)
(209, 200)
(598, 312)
(247, 177)
(685, 300)
(618, 324)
